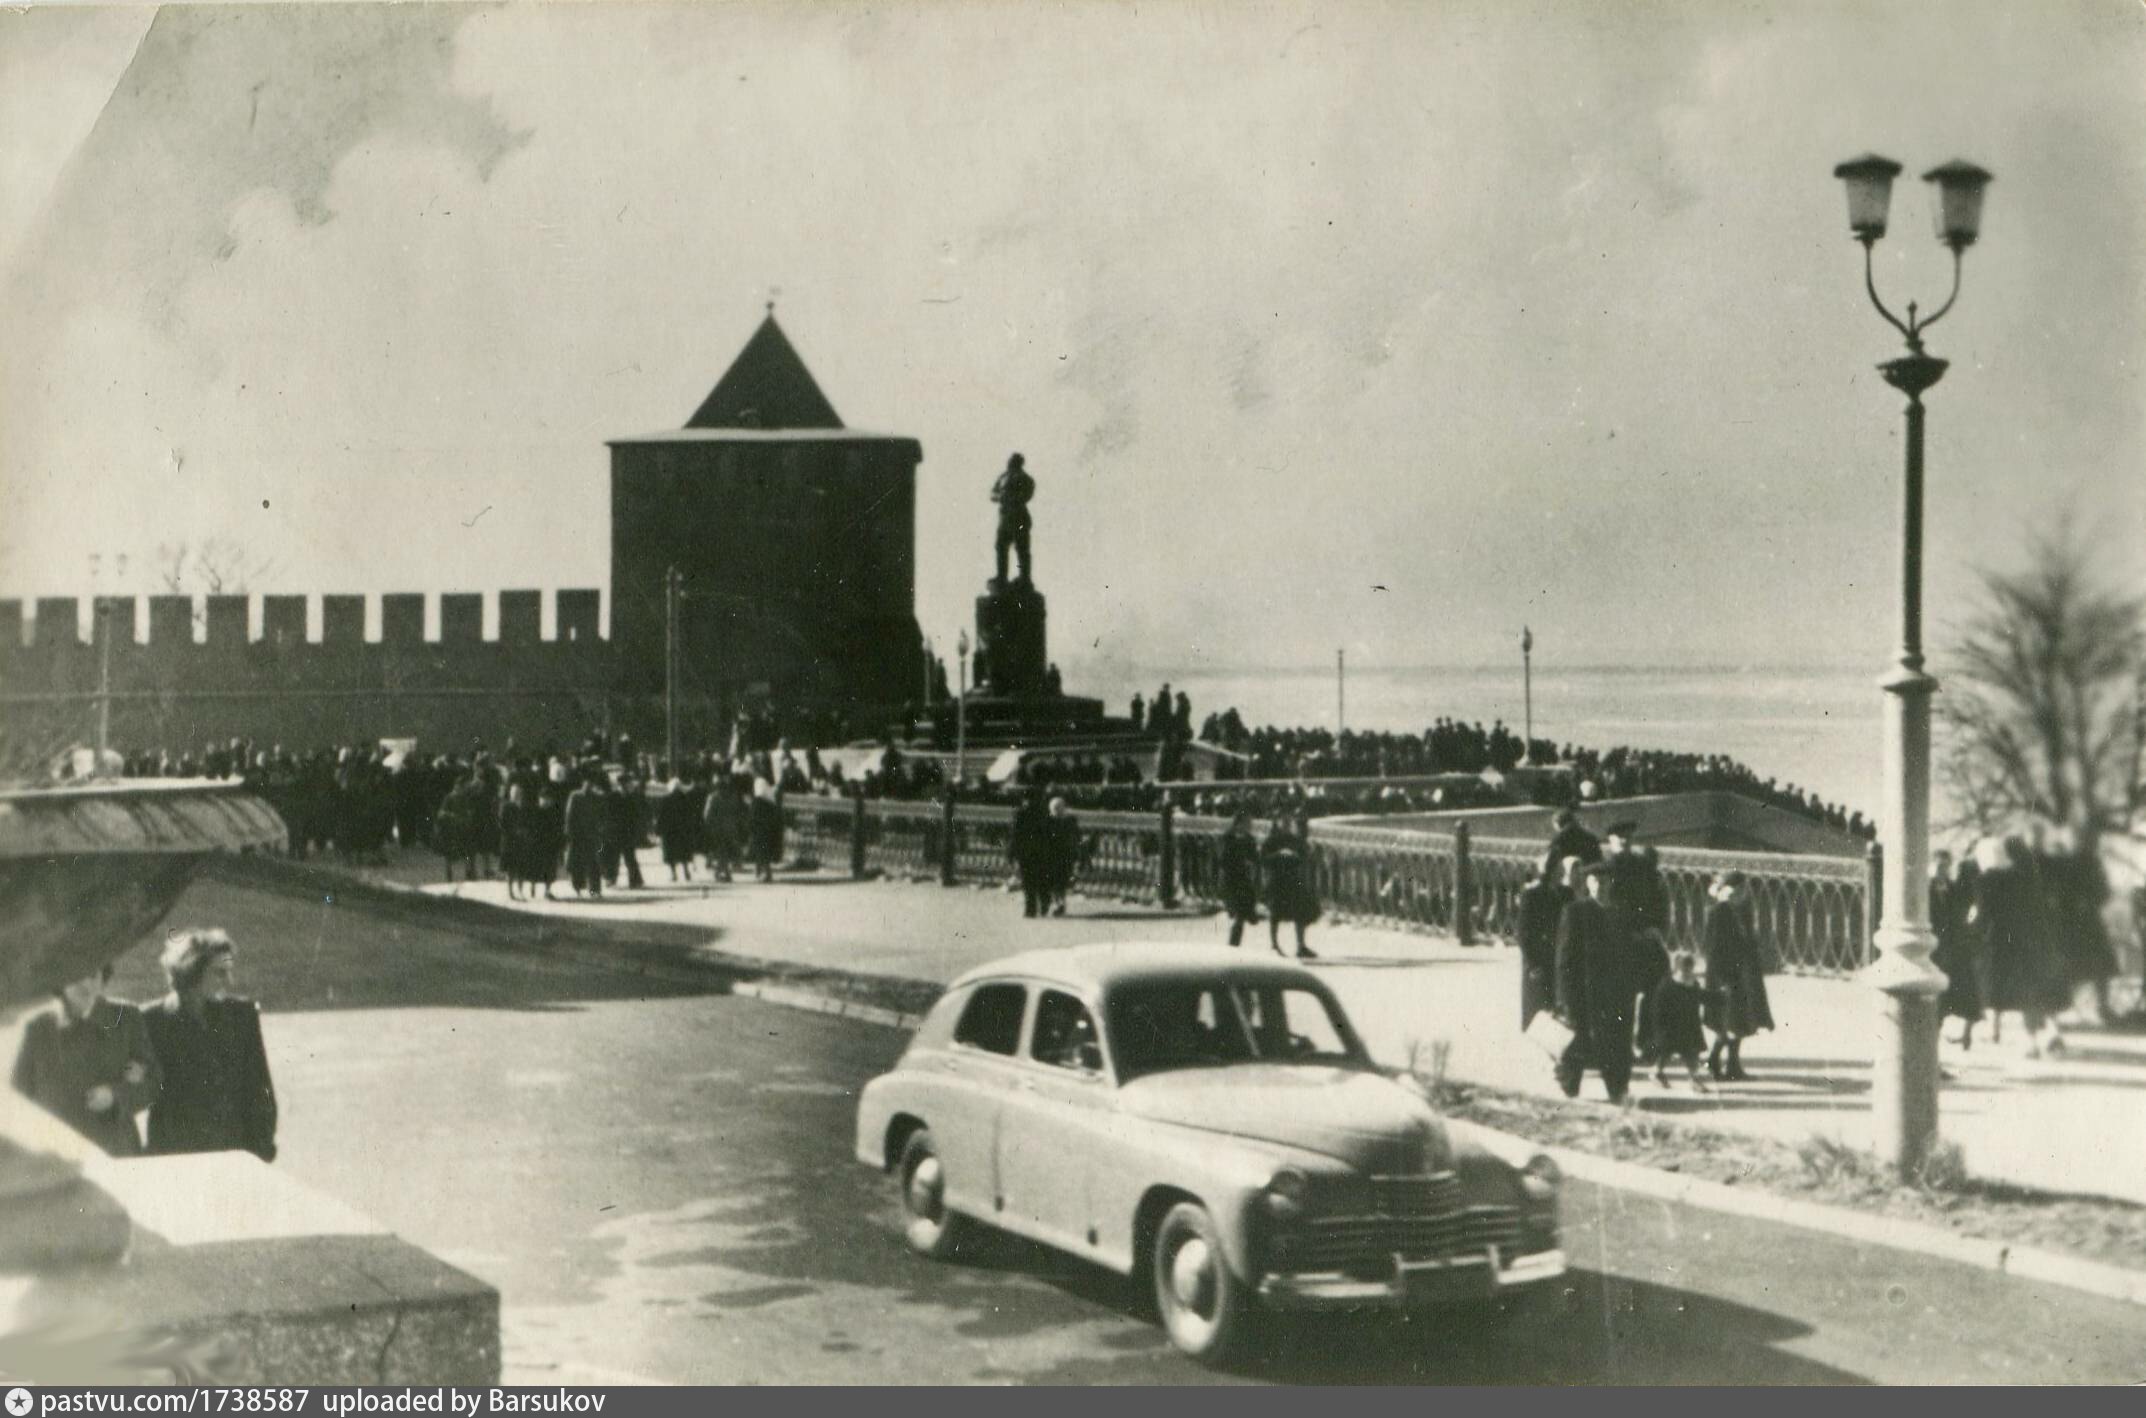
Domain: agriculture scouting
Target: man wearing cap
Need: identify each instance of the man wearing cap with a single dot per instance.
(217, 1093)
(1634, 892)
(1570, 840)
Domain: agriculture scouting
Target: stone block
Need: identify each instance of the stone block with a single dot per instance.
(578, 615)
(521, 617)
(283, 620)
(55, 624)
(228, 621)
(171, 620)
(461, 618)
(402, 618)
(342, 620)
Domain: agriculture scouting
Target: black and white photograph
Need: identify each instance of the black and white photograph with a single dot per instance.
(988, 692)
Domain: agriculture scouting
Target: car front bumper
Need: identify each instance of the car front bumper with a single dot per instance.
(1430, 1282)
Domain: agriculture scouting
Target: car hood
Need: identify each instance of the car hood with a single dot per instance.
(1363, 1119)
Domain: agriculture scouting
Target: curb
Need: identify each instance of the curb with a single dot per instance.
(2026, 1262)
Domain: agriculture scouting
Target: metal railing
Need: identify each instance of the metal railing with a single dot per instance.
(1811, 914)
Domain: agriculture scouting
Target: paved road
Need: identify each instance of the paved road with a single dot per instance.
(2015, 1120)
(658, 1180)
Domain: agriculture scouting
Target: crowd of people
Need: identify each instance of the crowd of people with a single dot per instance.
(2019, 928)
(185, 1073)
(1592, 928)
(360, 797)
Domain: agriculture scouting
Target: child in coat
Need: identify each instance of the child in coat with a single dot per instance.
(1674, 1010)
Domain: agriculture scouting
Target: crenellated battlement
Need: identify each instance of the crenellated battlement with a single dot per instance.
(57, 623)
(308, 669)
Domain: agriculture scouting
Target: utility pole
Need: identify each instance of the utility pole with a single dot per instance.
(1341, 694)
(104, 684)
(671, 580)
(961, 715)
(1527, 692)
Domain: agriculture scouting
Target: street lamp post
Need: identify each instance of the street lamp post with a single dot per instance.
(1904, 1086)
(1527, 695)
(961, 715)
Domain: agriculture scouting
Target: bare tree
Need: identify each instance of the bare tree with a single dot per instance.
(2042, 695)
(219, 566)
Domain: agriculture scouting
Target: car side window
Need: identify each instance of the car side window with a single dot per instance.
(991, 1020)
(1065, 1034)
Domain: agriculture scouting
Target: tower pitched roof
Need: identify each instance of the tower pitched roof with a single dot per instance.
(766, 386)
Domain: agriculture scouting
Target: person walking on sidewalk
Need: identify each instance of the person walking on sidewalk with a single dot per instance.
(1675, 1013)
(2027, 971)
(1950, 896)
(586, 814)
(625, 827)
(1062, 861)
(1633, 889)
(723, 825)
(764, 828)
(1542, 902)
(1285, 862)
(1029, 849)
(1240, 875)
(1595, 990)
(1736, 978)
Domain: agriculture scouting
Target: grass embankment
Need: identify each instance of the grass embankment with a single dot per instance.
(1820, 1170)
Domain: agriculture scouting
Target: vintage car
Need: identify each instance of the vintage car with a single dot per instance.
(1209, 1119)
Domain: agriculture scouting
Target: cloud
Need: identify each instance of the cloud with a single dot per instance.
(1525, 312)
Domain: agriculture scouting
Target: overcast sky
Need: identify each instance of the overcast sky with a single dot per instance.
(1391, 327)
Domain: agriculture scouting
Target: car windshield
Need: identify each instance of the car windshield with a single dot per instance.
(1164, 1025)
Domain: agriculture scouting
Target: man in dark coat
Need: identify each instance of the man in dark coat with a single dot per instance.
(586, 813)
(1542, 902)
(1030, 851)
(1569, 840)
(625, 825)
(1633, 889)
(2026, 968)
(90, 1064)
(1595, 990)
(1950, 897)
(1240, 875)
(217, 1096)
(764, 829)
(723, 825)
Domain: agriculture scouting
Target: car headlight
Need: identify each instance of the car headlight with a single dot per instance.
(1540, 1178)
(1288, 1194)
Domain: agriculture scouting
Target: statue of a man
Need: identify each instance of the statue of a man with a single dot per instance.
(1012, 492)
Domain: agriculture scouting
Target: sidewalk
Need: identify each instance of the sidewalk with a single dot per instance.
(2067, 1125)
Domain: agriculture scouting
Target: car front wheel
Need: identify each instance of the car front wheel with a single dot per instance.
(928, 1226)
(1205, 1308)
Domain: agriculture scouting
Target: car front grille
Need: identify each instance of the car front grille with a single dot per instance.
(1414, 1218)
(1434, 1195)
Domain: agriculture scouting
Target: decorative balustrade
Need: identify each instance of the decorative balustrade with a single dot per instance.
(1811, 914)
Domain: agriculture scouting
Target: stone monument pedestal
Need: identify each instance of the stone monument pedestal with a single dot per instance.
(1011, 654)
